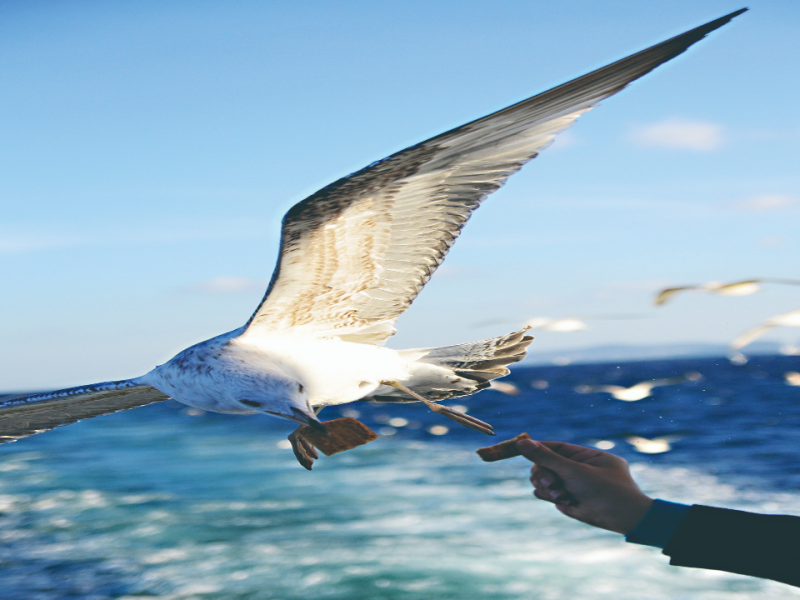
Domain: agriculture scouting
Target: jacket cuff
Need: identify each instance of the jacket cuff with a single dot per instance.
(658, 525)
(738, 542)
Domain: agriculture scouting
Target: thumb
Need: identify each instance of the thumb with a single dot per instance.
(544, 457)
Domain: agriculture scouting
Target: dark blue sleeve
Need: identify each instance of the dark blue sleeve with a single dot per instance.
(738, 542)
(658, 525)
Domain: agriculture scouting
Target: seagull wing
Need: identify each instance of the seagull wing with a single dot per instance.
(789, 319)
(355, 254)
(21, 416)
(780, 281)
(666, 295)
(748, 336)
(738, 288)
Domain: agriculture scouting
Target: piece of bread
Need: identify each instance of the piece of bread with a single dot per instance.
(507, 449)
(342, 434)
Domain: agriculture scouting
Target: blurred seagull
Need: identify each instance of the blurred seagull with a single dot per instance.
(638, 391)
(789, 319)
(654, 446)
(792, 378)
(736, 288)
(738, 359)
(504, 387)
(791, 349)
(353, 257)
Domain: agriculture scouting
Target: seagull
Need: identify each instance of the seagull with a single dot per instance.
(735, 288)
(792, 378)
(791, 349)
(788, 319)
(505, 387)
(738, 359)
(654, 446)
(353, 257)
(638, 391)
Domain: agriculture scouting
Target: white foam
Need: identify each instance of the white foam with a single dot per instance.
(421, 519)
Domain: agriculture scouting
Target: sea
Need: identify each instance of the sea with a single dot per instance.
(170, 503)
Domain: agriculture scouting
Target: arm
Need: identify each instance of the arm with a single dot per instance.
(597, 488)
(739, 542)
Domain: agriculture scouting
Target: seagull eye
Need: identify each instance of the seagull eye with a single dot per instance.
(300, 387)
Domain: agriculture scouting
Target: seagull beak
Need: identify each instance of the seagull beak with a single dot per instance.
(309, 419)
(303, 417)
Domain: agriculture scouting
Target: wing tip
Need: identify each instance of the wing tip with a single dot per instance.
(722, 20)
(692, 36)
(717, 23)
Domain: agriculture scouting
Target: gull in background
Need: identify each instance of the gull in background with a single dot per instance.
(792, 378)
(638, 391)
(735, 288)
(353, 257)
(788, 319)
(791, 349)
(505, 387)
(652, 446)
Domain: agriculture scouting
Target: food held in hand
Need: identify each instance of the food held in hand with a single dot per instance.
(503, 450)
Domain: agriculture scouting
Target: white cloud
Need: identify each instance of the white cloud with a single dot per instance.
(679, 134)
(228, 285)
(766, 202)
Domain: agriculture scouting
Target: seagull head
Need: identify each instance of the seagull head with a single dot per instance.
(304, 416)
(285, 398)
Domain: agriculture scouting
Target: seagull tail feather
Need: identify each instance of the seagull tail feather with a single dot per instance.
(464, 368)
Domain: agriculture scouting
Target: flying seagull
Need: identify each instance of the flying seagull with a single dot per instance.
(792, 378)
(638, 391)
(652, 446)
(789, 319)
(735, 288)
(505, 387)
(353, 257)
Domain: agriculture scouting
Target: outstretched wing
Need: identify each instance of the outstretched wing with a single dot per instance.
(788, 319)
(355, 254)
(666, 294)
(21, 416)
(743, 339)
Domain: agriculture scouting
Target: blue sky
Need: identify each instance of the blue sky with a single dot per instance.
(150, 149)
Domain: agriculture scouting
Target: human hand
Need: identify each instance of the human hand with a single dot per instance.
(589, 485)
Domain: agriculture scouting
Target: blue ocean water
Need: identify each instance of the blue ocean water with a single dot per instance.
(163, 502)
